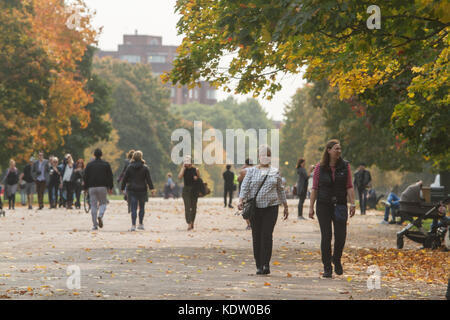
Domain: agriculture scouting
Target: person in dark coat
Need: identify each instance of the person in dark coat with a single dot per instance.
(228, 178)
(362, 181)
(122, 174)
(11, 181)
(136, 179)
(98, 180)
(302, 186)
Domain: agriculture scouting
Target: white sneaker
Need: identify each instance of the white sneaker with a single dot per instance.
(384, 222)
(141, 227)
(133, 228)
(387, 204)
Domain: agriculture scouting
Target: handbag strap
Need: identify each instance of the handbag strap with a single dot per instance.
(261, 185)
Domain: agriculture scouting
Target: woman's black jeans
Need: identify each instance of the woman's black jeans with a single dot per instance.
(301, 200)
(325, 215)
(53, 193)
(263, 223)
(78, 188)
(135, 199)
(69, 186)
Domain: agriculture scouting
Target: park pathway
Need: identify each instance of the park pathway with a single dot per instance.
(214, 261)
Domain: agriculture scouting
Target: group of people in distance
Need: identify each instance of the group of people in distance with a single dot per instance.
(63, 181)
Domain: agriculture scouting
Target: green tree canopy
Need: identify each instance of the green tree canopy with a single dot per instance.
(140, 112)
(332, 41)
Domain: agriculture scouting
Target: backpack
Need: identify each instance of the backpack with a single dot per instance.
(12, 178)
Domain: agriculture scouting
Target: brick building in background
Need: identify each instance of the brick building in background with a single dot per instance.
(149, 49)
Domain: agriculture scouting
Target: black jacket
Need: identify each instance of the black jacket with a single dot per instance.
(137, 177)
(329, 189)
(362, 179)
(228, 178)
(98, 173)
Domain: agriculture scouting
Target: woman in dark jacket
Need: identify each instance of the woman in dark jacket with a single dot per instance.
(190, 175)
(11, 181)
(122, 174)
(302, 185)
(77, 180)
(332, 185)
(136, 179)
(54, 183)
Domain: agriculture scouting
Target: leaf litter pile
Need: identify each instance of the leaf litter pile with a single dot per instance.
(430, 266)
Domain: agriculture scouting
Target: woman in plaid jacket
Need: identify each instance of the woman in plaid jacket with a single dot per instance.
(270, 196)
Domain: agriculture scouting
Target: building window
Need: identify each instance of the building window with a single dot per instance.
(154, 42)
(211, 94)
(156, 59)
(195, 93)
(172, 92)
(131, 59)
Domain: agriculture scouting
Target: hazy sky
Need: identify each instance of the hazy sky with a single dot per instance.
(157, 17)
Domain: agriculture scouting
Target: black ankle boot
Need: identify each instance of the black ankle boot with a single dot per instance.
(327, 272)
(338, 268)
(259, 270)
(266, 269)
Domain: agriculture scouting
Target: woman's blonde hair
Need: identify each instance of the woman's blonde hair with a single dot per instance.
(138, 156)
(12, 161)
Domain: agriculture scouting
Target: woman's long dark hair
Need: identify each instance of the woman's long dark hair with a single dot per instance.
(325, 162)
(299, 163)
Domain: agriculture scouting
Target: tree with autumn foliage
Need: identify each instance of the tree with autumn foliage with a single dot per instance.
(331, 41)
(41, 88)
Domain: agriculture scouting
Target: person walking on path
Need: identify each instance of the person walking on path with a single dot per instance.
(98, 181)
(67, 181)
(122, 174)
(54, 183)
(302, 185)
(136, 179)
(332, 184)
(248, 164)
(27, 177)
(10, 182)
(228, 178)
(271, 194)
(40, 173)
(362, 181)
(77, 180)
(190, 175)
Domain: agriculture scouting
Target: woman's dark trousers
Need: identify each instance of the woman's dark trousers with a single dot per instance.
(78, 188)
(325, 215)
(263, 223)
(53, 189)
(135, 199)
(69, 186)
(190, 204)
(301, 200)
(12, 201)
(228, 192)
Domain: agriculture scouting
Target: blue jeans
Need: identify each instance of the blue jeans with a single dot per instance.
(137, 198)
(393, 208)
